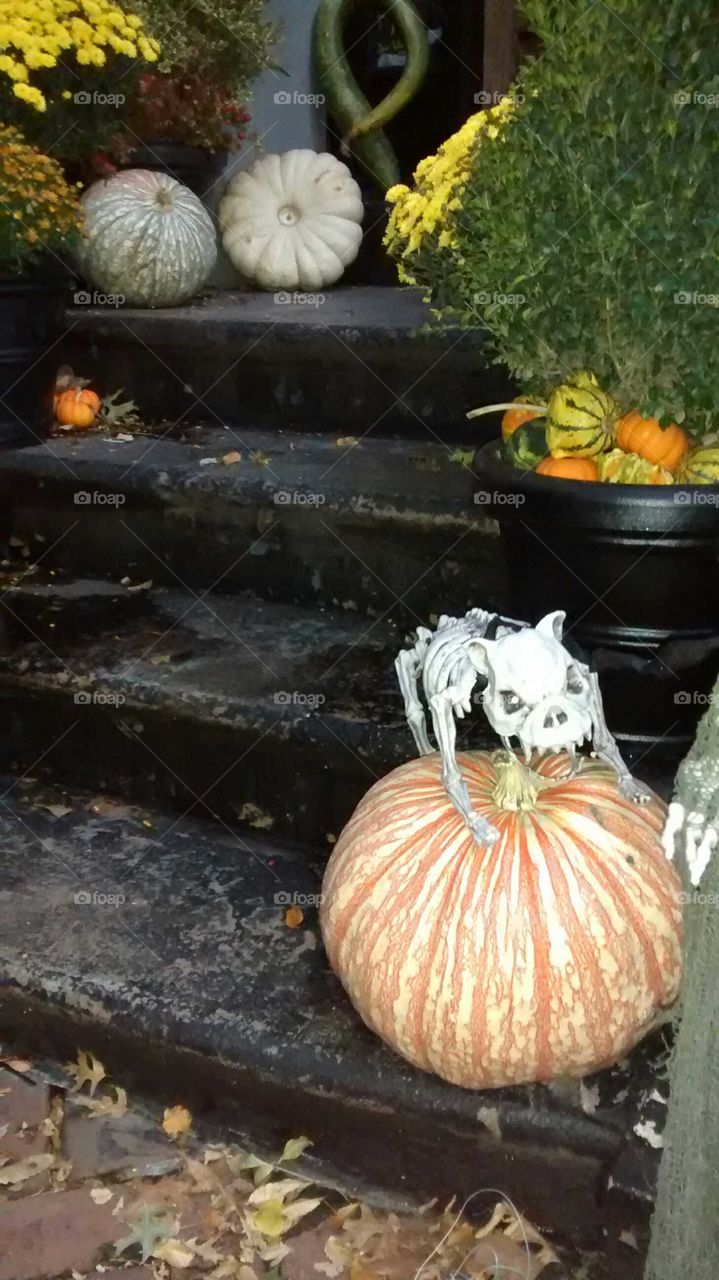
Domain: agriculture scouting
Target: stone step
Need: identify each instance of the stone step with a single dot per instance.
(278, 715)
(387, 526)
(161, 945)
(351, 360)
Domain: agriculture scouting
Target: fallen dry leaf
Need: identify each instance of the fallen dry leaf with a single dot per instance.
(259, 458)
(231, 1267)
(269, 1219)
(203, 1177)
(87, 1070)
(294, 917)
(101, 1195)
(110, 808)
(117, 413)
(176, 1121)
(229, 459)
(464, 457)
(294, 1148)
(175, 1252)
(279, 1189)
(346, 442)
(21, 1065)
(107, 1106)
(206, 1251)
(13, 1174)
(51, 1126)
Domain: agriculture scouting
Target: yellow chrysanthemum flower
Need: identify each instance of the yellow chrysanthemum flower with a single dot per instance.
(28, 93)
(424, 213)
(35, 33)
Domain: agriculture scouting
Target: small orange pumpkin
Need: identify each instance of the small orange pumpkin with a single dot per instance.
(514, 418)
(662, 446)
(568, 468)
(77, 407)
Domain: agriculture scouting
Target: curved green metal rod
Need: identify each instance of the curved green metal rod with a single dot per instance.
(362, 124)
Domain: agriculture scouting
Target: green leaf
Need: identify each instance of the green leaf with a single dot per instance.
(294, 1148)
(148, 1230)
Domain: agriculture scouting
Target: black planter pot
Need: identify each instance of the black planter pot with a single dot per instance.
(635, 567)
(32, 312)
(195, 167)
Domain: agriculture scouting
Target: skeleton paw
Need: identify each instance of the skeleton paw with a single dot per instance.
(483, 832)
(635, 791)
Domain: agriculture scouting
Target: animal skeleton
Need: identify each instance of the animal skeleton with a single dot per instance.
(536, 691)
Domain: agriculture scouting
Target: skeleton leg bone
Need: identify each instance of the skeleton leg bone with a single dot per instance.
(445, 730)
(408, 666)
(606, 748)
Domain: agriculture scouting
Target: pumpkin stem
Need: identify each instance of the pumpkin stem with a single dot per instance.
(539, 409)
(517, 787)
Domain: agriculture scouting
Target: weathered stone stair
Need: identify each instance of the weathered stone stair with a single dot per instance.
(210, 643)
(350, 361)
(380, 526)
(160, 943)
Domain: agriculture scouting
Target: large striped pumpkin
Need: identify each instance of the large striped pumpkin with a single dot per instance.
(552, 952)
(147, 239)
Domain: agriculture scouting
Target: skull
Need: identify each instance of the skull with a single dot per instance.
(535, 691)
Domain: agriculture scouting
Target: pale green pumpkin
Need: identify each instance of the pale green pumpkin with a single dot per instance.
(147, 239)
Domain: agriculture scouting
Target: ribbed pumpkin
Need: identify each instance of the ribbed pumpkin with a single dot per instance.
(550, 953)
(568, 468)
(580, 418)
(662, 446)
(77, 407)
(147, 239)
(701, 466)
(293, 221)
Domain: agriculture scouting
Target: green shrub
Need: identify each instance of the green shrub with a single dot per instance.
(230, 41)
(587, 233)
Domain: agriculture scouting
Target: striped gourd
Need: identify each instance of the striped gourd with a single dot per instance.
(549, 953)
(701, 466)
(580, 418)
(618, 467)
(147, 239)
(527, 445)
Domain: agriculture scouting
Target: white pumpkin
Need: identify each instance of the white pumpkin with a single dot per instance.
(293, 221)
(147, 238)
